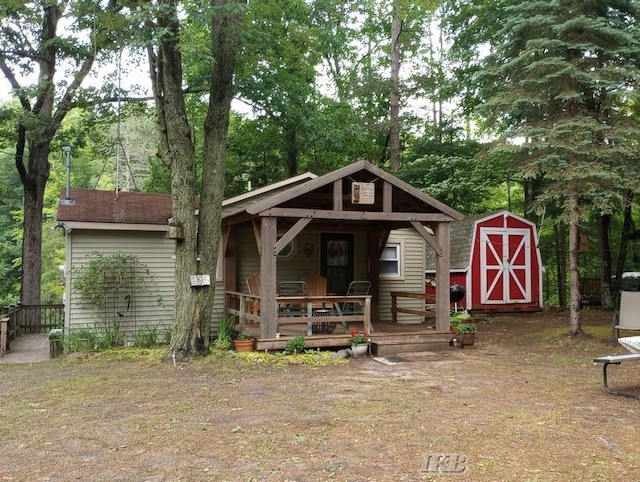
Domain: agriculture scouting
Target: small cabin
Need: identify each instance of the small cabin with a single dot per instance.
(348, 225)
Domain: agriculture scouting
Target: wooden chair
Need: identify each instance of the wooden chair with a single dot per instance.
(253, 284)
(628, 318)
(316, 286)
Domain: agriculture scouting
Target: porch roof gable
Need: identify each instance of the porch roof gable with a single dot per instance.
(405, 197)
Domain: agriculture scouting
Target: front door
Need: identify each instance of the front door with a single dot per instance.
(505, 265)
(337, 261)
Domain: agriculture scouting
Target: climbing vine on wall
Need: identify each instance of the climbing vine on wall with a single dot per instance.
(110, 282)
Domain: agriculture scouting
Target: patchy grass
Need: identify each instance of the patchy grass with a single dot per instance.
(525, 403)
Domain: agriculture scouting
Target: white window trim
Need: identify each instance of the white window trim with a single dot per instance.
(400, 275)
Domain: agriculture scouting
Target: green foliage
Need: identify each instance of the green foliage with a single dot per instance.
(243, 335)
(459, 323)
(146, 338)
(308, 357)
(109, 277)
(358, 339)
(223, 339)
(295, 345)
(80, 340)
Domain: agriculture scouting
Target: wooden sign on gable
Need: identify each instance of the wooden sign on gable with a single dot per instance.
(363, 193)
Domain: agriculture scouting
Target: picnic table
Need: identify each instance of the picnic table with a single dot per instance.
(632, 344)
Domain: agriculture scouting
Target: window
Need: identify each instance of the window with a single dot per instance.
(288, 250)
(390, 261)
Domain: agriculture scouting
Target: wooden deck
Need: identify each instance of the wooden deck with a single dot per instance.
(387, 338)
(29, 348)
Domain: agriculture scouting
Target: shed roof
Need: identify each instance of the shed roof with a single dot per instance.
(462, 238)
(92, 206)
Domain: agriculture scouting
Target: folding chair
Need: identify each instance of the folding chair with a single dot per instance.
(291, 288)
(628, 318)
(356, 288)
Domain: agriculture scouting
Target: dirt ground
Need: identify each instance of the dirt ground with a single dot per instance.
(525, 403)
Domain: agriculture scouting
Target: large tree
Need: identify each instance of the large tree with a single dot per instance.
(197, 252)
(562, 80)
(46, 66)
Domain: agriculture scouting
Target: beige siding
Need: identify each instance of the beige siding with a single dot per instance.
(155, 252)
(412, 276)
(298, 264)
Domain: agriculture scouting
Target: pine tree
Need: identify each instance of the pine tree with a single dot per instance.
(563, 80)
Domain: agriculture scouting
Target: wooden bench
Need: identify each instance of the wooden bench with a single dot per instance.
(616, 360)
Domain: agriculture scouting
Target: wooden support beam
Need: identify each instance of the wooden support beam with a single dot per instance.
(256, 234)
(427, 236)
(355, 215)
(337, 195)
(387, 197)
(268, 275)
(290, 235)
(443, 268)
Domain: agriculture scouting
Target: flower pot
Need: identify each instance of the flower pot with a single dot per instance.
(467, 339)
(359, 350)
(244, 345)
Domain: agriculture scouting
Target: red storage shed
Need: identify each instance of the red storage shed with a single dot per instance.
(497, 260)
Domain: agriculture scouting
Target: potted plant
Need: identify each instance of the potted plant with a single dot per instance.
(359, 344)
(244, 341)
(464, 334)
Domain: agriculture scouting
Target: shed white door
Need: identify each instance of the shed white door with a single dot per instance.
(505, 265)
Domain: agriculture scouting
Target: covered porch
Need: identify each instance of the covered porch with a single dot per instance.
(341, 223)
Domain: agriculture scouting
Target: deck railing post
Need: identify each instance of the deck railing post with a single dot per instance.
(4, 325)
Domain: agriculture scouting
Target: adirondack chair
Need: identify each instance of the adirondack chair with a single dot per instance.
(356, 288)
(316, 286)
(253, 283)
(628, 318)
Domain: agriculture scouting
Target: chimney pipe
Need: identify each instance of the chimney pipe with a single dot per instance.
(67, 200)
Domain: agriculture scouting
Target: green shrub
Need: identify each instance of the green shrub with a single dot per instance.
(223, 340)
(295, 345)
(147, 338)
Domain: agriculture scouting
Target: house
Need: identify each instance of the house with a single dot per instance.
(343, 225)
(496, 258)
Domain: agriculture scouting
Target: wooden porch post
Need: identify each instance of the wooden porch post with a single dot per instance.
(443, 267)
(268, 273)
(228, 263)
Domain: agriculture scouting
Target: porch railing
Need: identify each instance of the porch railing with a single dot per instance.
(428, 303)
(240, 305)
(24, 319)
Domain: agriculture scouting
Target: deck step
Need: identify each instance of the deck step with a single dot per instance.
(410, 344)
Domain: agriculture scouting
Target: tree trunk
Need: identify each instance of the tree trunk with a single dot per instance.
(224, 39)
(604, 226)
(291, 148)
(177, 152)
(627, 228)
(34, 183)
(574, 275)
(394, 96)
(561, 265)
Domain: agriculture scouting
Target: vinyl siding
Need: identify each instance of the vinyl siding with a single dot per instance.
(144, 311)
(295, 266)
(412, 276)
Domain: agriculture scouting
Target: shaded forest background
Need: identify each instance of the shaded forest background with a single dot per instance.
(500, 105)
